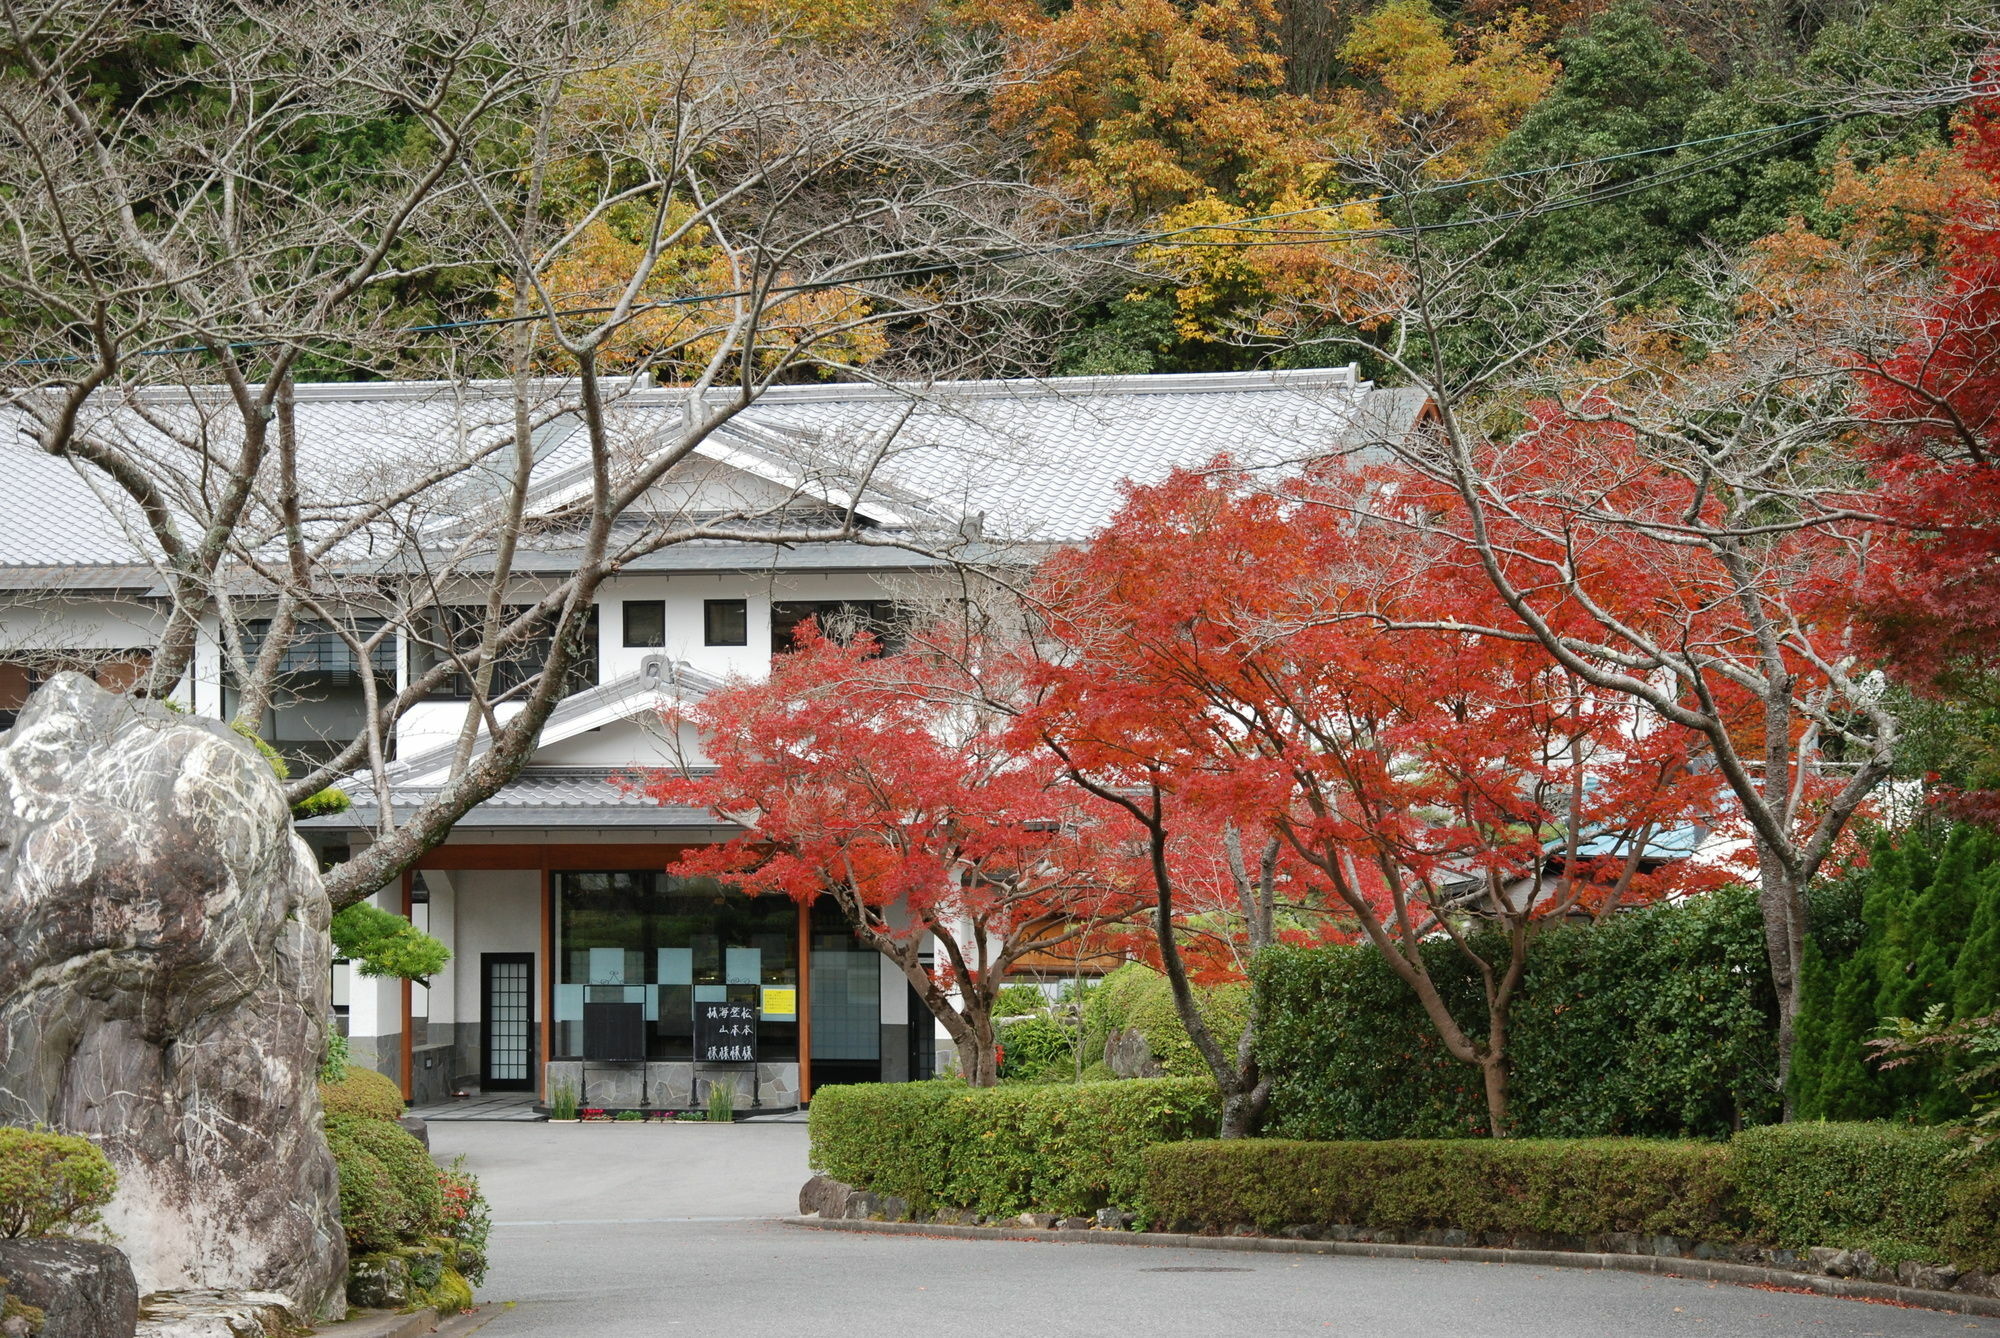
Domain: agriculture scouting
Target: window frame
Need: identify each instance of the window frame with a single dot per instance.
(625, 618)
(708, 612)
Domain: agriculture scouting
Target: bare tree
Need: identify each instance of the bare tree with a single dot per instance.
(650, 197)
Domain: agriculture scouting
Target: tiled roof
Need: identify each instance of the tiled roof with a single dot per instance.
(1033, 460)
(540, 797)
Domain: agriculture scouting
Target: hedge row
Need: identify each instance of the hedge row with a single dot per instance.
(1657, 1022)
(1556, 1187)
(1898, 1191)
(1004, 1150)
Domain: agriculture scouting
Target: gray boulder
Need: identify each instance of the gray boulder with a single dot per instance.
(162, 984)
(1129, 1055)
(84, 1289)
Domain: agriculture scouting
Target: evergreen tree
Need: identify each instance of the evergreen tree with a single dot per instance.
(1976, 989)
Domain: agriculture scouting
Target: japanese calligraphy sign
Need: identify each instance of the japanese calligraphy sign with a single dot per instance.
(725, 1033)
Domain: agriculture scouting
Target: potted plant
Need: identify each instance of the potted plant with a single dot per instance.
(562, 1103)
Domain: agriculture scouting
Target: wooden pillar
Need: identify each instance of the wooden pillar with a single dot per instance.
(407, 1062)
(545, 1032)
(805, 1002)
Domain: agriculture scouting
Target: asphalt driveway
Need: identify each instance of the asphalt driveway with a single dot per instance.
(606, 1231)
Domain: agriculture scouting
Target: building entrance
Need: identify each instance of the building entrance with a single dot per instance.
(507, 1026)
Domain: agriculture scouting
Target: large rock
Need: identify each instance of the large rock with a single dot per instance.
(162, 982)
(1129, 1056)
(84, 1289)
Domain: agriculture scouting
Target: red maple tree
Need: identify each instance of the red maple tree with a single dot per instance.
(1231, 651)
(887, 784)
(1934, 409)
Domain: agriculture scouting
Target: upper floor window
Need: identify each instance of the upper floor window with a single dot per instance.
(317, 657)
(838, 619)
(451, 631)
(646, 622)
(725, 622)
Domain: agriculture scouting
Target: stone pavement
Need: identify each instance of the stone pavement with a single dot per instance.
(624, 1232)
(518, 1106)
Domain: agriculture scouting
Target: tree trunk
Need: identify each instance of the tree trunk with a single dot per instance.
(1784, 941)
(1493, 1067)
(1243, 1110)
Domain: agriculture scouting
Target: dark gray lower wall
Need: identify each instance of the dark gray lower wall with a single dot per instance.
(895, 1052)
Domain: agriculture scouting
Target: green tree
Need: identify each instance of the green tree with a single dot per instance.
(385, 944)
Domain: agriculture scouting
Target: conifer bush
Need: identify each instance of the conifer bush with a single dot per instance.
(1928, 936)
(51, 1184)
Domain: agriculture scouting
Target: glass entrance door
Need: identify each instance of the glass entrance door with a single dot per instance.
(507, 1021)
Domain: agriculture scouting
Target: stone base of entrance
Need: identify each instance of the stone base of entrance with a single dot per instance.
(675, 1085)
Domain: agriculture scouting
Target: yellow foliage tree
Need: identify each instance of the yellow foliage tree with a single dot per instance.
(1143, 105)
(1458, 98)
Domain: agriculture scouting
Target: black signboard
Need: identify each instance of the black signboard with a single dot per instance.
(614, 1033)
(725, 1033)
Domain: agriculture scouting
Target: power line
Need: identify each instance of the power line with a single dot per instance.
(1251, 223)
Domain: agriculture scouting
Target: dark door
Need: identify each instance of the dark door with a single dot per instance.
(507, 1021)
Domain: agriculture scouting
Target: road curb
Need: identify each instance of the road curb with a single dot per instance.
(1707, 1270)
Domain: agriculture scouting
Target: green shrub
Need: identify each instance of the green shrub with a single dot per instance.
(365, 1093)
(373, 1212)
(1656, 1022)
(333, 1064)
(1882, 1187)
(1137, 998)
(1004, 1150)
(468, 1219)
(1971, 1235)
(51, 1184)
(1037, 1049)
(1561, 1187)
(390, 1189)
(1898, 1191)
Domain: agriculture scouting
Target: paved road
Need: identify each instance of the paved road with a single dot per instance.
(634, 1232)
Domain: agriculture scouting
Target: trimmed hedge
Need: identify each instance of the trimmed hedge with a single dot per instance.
(365, 1093)
(1887, 1188)
(1897, 1191)
(389, 1189)
(1061, 1148)
(1657, 1022)
(1557, 1187)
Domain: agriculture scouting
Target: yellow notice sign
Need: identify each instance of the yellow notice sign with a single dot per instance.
(781, 1004)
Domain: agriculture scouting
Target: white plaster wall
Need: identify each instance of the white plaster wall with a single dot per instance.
(444, 928)
(641, 742)
(375, 1003)
(493, 911)
(895, 994)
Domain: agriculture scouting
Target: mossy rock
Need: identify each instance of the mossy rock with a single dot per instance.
(1137, 999)
(13, 1307)
(451, 1295)
(363, 1092)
